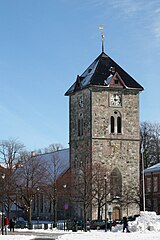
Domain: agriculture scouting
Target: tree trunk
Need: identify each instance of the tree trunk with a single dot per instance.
(30, 216)
(54, 212)
(99, 212)
(85, 217)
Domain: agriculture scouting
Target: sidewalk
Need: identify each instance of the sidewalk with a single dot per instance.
(39, 235)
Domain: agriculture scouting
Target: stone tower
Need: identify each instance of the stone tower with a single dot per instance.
(104, 128)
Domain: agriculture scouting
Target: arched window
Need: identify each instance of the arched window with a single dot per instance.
(116, 123)
(119, 125)
(80, 125)
(112, 124)
(116, 183)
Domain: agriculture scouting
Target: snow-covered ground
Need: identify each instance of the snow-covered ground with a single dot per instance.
(146, 227)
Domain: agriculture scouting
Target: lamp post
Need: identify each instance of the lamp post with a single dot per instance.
(143, 183)
(65, 207)
(143, 180)
(3, 177)
(37, 206)
(105, 186)
(110, 215)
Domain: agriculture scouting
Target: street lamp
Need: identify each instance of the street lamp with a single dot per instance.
(3, 177)
(143, 181)
(37, 206)
(110, 215)
(143, 186)
(65, 207)
(105, 186)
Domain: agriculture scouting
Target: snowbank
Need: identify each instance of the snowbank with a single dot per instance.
(147, 221)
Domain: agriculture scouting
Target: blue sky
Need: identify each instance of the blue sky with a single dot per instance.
(44, 44)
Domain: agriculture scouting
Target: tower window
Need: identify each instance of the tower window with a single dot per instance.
(112, 124)
(119, 125)
(80, 125)
(116, 123)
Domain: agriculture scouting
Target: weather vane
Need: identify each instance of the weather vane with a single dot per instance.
(101, 28)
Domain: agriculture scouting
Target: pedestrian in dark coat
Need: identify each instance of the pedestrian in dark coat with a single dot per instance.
(11, 224)
(125, 224)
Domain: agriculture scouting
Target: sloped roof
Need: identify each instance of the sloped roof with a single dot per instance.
(54, 164)
(58, 159)
(154, 168)
(101, 72)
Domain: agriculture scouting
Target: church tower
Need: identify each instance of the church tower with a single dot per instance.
(104, 128)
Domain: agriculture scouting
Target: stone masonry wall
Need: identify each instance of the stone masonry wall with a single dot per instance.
(117, 150)
(97, 143)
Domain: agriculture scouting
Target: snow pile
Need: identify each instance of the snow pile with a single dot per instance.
(146, 221)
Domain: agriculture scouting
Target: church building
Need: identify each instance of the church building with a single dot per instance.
(104, 129)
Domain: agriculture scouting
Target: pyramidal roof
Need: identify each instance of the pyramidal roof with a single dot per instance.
(103, 71)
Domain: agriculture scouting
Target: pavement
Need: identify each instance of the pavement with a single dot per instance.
(38, 235)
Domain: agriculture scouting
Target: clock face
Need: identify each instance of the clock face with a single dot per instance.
(116, 100)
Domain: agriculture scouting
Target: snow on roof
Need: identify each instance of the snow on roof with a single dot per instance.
(60, 157)
(89, 73)
(107, 81)
(154, 168)
(98, 72)
(54, 164)
(58, 161)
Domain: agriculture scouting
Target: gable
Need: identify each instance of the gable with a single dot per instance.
(115, 81)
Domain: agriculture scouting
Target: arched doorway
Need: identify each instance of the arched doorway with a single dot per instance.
(116, 214)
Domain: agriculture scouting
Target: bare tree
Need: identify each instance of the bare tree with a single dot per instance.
(10, 151)
(55, 167)
(150, 146)
(100, 181)
(150, 142)
(156, 140)
(31, 175)
(53, 148)
(82, 188)
(131, 194)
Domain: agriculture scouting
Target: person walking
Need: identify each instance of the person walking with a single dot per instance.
(6, 225)
(11, 224)
(125, 224)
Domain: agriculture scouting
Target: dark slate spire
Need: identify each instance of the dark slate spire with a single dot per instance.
(102, 72)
